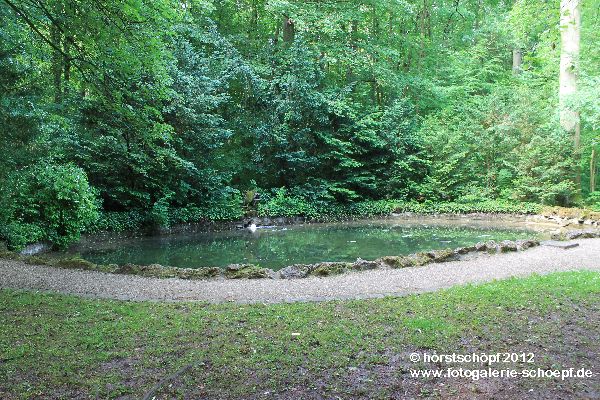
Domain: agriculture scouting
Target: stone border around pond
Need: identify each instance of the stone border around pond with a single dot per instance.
(323, 269)
(296, 271)
(561, 216)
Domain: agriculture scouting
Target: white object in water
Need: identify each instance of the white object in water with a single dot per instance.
(252, 227)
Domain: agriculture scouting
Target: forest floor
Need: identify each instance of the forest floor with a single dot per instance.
(355, 285)
(55, 346)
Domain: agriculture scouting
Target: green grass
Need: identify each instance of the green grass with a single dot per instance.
(56, 346)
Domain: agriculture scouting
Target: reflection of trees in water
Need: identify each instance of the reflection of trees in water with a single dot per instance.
(300, 244)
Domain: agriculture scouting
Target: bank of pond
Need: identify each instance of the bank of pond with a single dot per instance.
(278, 246)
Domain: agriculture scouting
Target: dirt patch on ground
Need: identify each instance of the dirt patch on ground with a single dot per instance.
(563, 339)
(66, 347)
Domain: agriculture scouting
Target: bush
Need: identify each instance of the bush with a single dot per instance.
(225, 211)
(484, 206)
(161, 215)
(282, 204)
(119, 221)
(46, 202)
(593, 200)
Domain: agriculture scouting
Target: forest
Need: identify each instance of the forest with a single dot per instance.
(124, 114)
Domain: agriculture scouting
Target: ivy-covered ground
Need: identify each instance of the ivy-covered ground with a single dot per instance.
(55, 346)
(282, 205)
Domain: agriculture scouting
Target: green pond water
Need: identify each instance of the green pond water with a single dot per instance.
(277, 247)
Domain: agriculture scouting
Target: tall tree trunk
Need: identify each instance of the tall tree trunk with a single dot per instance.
(57, 62)
(289, 30)
(276, 35)
(422, 30)
(517, 61)
(377, 95)
(593, 168)
(570, 24)
(67, 64)
(353, 32)
(253, 26)
(477, 14)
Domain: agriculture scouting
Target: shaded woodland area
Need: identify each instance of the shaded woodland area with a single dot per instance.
(160, 107)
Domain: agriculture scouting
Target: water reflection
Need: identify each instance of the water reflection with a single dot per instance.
(276, 247)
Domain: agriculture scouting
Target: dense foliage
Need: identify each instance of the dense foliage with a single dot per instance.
(283, 204)
(51, 202)
(174, 110)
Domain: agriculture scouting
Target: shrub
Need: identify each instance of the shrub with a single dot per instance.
(281, 204)
(483, 206)
(593, 200)
(46, 202)
(285, 205)
(161, 215)
(119, 221)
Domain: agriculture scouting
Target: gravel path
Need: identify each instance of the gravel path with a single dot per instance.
(367, 284)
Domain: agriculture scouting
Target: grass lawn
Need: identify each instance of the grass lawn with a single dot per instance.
(55, 346)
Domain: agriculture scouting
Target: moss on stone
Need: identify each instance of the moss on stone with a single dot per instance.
(397, 261)
(129, 268)
(296, 271)
(199, 273)
(442, 255)
(36, 260)
(331, 268)
(421, 258)
(363, 265)
(109, 268)
(155, 271)
(491, 247)
(247, 271)
(75, 263)
(465, 250)
(571, 213)
(417, 259)
(7, 254)
(508, 246)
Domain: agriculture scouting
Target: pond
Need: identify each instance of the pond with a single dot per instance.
(279, 246)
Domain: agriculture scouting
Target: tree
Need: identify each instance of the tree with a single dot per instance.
(169, 105)
(570, 27)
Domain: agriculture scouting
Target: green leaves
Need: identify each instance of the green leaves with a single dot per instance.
(173, 108)
(46, 202)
